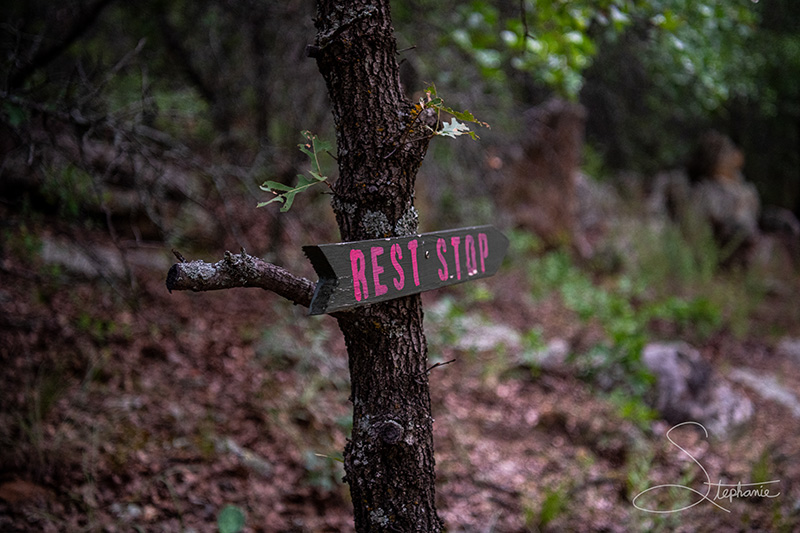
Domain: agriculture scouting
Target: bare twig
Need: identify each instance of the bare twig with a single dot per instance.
(440, 364)
(178, 255)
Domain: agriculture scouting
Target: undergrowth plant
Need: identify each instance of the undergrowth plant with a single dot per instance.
(624, 307)
(681, 263)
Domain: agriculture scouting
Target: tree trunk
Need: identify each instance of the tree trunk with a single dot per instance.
(389, 462)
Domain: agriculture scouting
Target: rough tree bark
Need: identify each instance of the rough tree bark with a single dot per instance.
(389, 461)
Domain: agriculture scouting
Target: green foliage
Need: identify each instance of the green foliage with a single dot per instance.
(679, 272)
(652, 74)
(522, 244)
(548, 39)
(594, 164)
(454, 128)
(22, 241)
(554, 504)
(704, 47)
(671, 256)
(556, 41)
(633, 408)
(444, 325)
(624, 307)
(70, 189)
(285, 193)
(762, 470)
(698, 313)
(231, 519)
(323, 471)
(552, 40)
(97, 328)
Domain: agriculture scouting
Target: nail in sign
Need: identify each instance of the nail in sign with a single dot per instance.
(365, 272)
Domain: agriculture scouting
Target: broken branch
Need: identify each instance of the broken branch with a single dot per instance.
(240, 270)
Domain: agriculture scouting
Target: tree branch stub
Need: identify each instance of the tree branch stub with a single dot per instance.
(240, 270)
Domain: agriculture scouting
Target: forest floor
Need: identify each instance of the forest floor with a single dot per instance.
(157, 413)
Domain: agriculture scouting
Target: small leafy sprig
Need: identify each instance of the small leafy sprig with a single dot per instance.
(432, 100)
(285, 193)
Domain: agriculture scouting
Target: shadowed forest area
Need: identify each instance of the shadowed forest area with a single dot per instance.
(643, 159)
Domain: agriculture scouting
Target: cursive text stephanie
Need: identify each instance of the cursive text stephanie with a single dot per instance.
(725, 491)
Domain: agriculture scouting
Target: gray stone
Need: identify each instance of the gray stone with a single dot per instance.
(89, 262)
(790, 348)
(93, 261)
(551, 357)
(732, 208)
(483, 336)
(688, 389)
(767, 387)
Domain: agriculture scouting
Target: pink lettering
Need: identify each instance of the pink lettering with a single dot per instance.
(455, 241)
(358, 265)
(397, 253)
(441, 248)
(483, 246)
(412, 246)
(469, 251)
(377, 270)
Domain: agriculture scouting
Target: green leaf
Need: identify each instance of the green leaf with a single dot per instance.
(285, 193)
(334, 458)
(453, 129)
(231, 519)
(306, 149)
(272, 186)
(323, 146)
(312, 148)
(287, 197)
(437, 103)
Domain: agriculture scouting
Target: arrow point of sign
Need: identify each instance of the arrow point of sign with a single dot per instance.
(327, 279)
(505, 242)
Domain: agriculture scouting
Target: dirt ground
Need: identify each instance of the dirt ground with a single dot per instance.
(156, 413)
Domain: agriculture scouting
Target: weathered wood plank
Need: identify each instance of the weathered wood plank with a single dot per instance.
(366, 272)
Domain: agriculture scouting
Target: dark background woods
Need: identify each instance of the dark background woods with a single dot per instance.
(234, 76)
(130, 130)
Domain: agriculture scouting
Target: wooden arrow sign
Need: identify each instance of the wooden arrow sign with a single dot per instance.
(366, 272)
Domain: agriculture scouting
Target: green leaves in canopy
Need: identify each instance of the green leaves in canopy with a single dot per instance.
(703, 43)
(550, 39)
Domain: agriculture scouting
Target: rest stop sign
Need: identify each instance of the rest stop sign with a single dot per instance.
(366, 272)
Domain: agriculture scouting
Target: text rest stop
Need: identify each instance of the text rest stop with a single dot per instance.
(365, 272)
